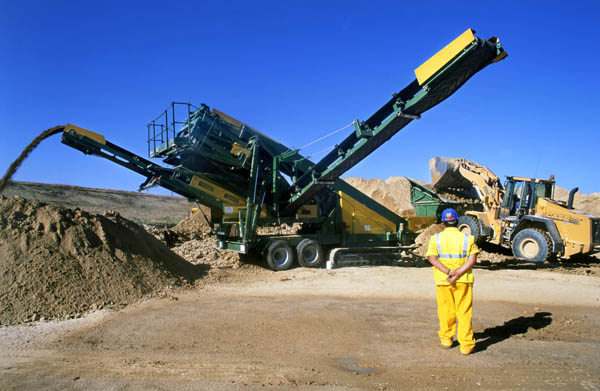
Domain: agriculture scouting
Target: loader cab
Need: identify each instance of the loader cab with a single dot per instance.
(521, 195)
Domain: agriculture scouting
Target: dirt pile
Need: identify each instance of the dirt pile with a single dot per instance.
(422, 241)
(194, 226)
(461, 198)
(393, 193)
(205, 252)
(58, 262)
(191, 239)
(589, 203)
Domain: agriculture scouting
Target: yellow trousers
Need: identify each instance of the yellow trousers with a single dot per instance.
(455, 302)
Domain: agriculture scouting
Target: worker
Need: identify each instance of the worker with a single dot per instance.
(453, 254)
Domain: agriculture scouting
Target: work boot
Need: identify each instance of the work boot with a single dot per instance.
(466, 351)
(446, 343)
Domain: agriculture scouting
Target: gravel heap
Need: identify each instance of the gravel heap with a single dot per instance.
(191, 239)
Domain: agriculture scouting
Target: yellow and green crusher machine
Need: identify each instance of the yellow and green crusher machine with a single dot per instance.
(251, 181)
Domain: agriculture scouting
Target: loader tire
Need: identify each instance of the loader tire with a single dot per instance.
(280, 255)
(532, 245)
(310, 253)
(470, 225)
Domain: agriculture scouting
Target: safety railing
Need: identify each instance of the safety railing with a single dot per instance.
(163, 129)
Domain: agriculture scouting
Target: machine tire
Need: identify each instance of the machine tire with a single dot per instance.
(280, 255)
(532, 245)
(310, 253)
(470, 225)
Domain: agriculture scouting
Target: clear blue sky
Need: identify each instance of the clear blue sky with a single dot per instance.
(296, 71)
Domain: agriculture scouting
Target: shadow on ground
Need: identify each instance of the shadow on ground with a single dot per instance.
(520, 325)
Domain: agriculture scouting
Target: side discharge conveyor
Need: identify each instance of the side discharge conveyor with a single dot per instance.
(250, 180)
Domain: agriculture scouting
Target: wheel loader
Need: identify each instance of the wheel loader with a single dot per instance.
(521, 214)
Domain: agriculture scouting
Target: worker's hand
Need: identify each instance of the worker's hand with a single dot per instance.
(452, 276)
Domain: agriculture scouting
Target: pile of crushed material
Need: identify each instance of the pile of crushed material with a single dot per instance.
(191, 239)
(393, 193)
(60, 263)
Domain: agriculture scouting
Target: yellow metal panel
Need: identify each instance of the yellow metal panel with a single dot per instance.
(217, 191)
(239, 124)
(232, 211)
(573, 226)
(307, 211)
(416, 223)
(87, 133)
(232, 203)
(361, 220)
(441, 58)
(537, 180)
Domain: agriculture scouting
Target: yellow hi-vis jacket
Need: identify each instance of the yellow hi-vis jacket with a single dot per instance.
(452, 248)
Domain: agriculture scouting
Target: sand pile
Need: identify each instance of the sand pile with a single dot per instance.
(422, 241)
(589, 203)
(393, 193)
(58, 263)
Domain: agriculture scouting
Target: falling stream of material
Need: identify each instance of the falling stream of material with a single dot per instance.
(36, 141)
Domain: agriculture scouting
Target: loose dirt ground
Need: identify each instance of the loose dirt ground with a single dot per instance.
(370, 328)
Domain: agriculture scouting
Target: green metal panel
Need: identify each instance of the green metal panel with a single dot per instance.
(425, 201)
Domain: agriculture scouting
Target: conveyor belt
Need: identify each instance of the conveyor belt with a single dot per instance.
(418, 99)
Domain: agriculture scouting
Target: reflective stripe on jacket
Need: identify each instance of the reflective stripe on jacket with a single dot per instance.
(452, 248)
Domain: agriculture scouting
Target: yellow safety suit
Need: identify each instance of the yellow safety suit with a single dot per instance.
(455, 301)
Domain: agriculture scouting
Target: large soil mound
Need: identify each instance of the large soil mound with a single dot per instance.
(57, 262)
(393, 193)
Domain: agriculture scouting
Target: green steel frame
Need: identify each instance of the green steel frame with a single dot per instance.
(217, 148)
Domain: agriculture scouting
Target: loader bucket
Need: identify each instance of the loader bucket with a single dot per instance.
(445, 174)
